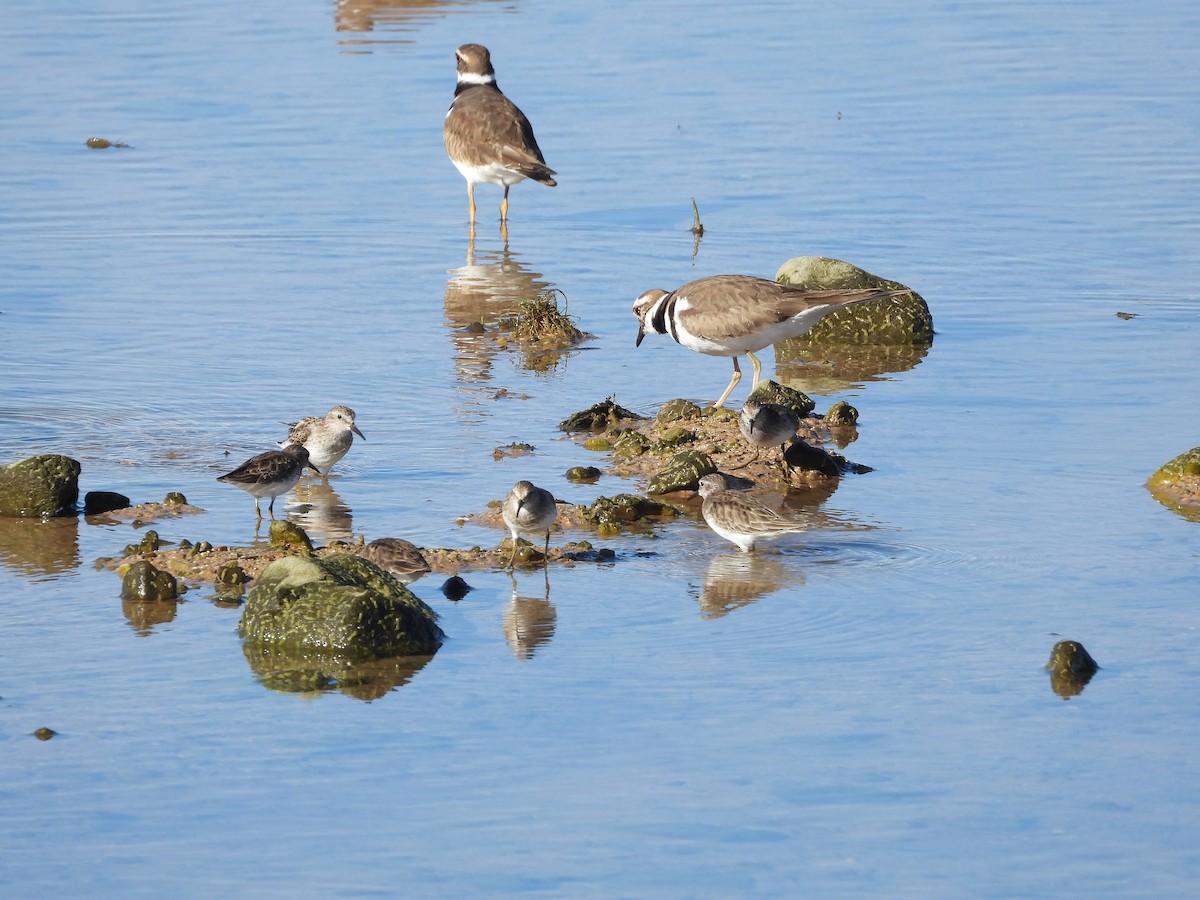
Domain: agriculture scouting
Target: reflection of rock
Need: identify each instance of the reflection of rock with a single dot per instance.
(734, 580)
(490, 285)
(46, 485)
(39, 547)
(858, 343)
(1071, 668)
(142, 615)
(529, 622)
(313, 672)
(320, 511)
(1176, 485)
(339, 604)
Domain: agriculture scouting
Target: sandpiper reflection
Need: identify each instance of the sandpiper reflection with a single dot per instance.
(734, 580)
(490, 285)
(317, 508)
(529, 621)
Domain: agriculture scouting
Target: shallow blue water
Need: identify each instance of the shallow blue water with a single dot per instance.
(861, 711)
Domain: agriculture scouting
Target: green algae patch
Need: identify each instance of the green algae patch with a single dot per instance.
(340, 604)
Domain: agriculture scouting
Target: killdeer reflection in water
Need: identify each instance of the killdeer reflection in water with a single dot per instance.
(270, 474)
(327, 439)
(529, 509)
(767, 424)
(487, 138)
(740, 518)
(728, 315)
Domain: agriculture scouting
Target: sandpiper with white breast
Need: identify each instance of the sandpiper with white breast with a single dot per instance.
(740, 518)
(767, 424)
(487, 138)
(728, 315)
(270, 474)
(529, 509)
(326, 438)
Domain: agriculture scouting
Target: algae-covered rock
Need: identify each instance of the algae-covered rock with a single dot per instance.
(630, 444)
(683, 472)
(610, 515)
(1071, 668)
(599, 417)
(782, 395)
(143, 583)
(1176, 485)
(901, 319)
(675, 410)
(583, 474)
(46, 485)
(284, 533)
(841, 413)
(339, 604)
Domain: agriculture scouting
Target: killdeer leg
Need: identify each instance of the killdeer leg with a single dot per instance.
(737, 376)
(504, 206)
(471, 201)
(757, 370)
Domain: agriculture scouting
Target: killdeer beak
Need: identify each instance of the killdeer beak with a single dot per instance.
(641, 334)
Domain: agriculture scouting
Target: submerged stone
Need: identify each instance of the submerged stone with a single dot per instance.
(46, 485)
(583, 474)
(901, 319)
(1071, 668)
(339, 604)
(143, 583)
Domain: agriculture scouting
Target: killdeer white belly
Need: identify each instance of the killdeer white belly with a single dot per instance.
(728, 315)
(487, 138)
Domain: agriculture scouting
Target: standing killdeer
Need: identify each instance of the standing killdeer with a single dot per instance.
(327, 439)
(270, 474)
(739, 518)
(728, 315)
(529, 509)
(486, 136)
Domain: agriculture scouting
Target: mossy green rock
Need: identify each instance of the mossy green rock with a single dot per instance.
(1176, 485)
(902, 319)
(46, 485)
(675, 410)
(340, 604)
(782, 395)
(599, 417)
(1183, 467)
(609, 515)
(683, 472)
(144, 583)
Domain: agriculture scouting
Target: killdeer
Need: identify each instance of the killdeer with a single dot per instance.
(327, 439)
(767, 424)
(270, 474)
(487, 138)
(403, 559)
(529, 509)
(739, 518)
(728, 315)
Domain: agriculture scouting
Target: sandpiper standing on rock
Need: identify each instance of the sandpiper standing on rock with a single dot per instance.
(740, 518)
(728, 315)
(270, 474)
(529, 509)
(767, 424)
(327, 439)
(487, 138)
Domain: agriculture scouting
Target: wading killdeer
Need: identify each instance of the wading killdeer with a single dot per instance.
(739, 518)
(529, 509)
(270, 474)
(728, 315)
(327, 439)
(487, 138)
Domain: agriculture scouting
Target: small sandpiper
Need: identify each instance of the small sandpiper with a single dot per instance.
(768, 424)
(728, 315)
(740, 518)
(270, 474)
(401, 558)
(529, 509)
(487, 138)
(327, 439)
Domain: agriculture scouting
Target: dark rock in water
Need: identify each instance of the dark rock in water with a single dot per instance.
(97, 502)
(599, 417)
(145, 584)
(174, 498)
(800, 454)
(231, 575)
(340, 604)
(1071, 668)
(583, 474)
(782, 395)
(44, 734)
(901, 319)
(1176, 484)
(455, 587)
(46, 485)
(841, 413)
(683, 472)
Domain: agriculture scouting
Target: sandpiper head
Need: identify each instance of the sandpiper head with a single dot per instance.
(643, 308)
(711, 484)
(343, 415)
(474, 64)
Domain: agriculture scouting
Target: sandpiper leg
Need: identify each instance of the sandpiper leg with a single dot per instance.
(257, 511)
(504, 206)
(471, 201)
(737, 376)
